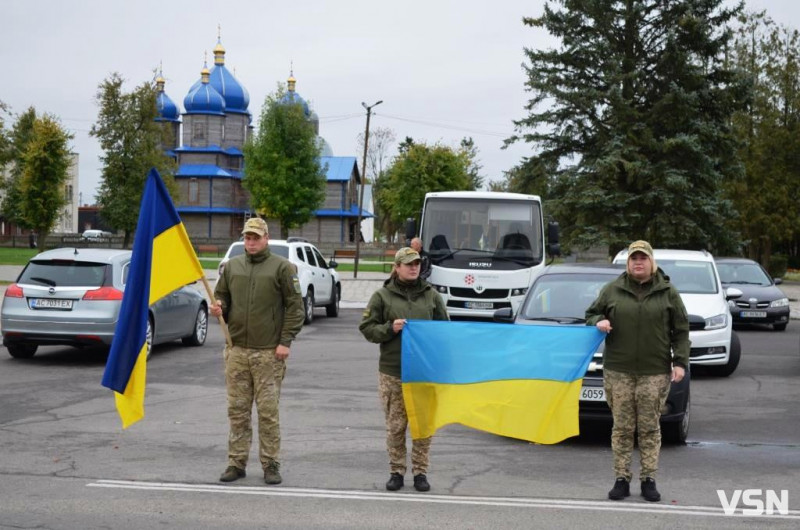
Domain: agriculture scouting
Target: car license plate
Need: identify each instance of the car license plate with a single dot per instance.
(51, 303)
(593, 393)
(753, 314)
(479, 305)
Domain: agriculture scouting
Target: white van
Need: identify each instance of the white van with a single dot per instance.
(694, 274)
(95, 235)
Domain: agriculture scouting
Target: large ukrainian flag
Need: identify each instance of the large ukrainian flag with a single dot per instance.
(163, 260)
(518, 381)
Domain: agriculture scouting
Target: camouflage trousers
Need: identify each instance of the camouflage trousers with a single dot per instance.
(253, 375)
(636, 402)
(390, 389)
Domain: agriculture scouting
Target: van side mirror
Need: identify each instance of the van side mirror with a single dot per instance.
(553, 246)
(411, 230)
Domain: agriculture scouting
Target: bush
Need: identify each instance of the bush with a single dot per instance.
(778, 265)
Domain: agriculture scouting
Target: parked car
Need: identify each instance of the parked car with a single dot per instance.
(320, 285)
(693, 272)
(560, 295)
(96, 235)
(72, 296)
(762, 302)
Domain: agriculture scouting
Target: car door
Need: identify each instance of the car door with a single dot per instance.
(319, 277)
(326, 273)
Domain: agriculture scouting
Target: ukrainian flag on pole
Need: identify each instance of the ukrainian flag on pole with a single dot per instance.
(163, 260)
(517, 381)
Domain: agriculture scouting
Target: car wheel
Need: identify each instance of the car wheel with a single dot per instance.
(22, 350)
(678, 431)
(308, 303)
(148, 338)
(332, 309)
(779, 327)
(198, 336)
(733, 358)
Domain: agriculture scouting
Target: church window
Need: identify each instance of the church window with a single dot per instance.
(194, 191)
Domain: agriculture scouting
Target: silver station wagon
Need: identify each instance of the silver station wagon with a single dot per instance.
(72, 296)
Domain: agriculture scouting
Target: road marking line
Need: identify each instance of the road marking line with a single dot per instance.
(520, 502)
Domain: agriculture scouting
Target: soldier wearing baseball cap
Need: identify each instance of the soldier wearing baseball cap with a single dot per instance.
(258, 294)
(405, 295)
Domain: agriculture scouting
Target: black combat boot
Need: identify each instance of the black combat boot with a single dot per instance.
(395, 482)
(649, 491)
(621, 489)
(421, 482)
(232, 473)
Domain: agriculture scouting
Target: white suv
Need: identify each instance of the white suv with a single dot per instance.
(319, 281)
(694, 274)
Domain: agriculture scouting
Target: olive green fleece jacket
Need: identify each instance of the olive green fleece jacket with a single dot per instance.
(649, 325)
(261, 300)
(415, 301)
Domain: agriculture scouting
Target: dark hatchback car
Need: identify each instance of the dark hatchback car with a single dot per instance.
(762, 302)
(560, 294)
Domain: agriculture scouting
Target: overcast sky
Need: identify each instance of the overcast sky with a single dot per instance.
(444, 69)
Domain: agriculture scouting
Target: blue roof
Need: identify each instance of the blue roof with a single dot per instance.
(292, 97)
(236, 97)
(167, 110)
(352, 212)
(204, 99)
(206, 170)
(340, 168)
(232, 151)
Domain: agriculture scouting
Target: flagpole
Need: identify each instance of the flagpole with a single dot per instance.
(222, 323)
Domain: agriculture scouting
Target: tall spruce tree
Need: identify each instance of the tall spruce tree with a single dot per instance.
(283, 172)
(633, 111)
(132, 143)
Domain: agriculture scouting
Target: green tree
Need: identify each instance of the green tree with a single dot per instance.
(532, 176)
(767, 197)
(20, 137)
(470, 151)
(283, 172)
(131, 140)
(632, 110)
(45, 163)
(417, 170)
(380, 141)
(5, 144)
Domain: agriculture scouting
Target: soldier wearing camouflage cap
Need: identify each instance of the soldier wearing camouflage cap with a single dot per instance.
(258, 294)
(403, 296)
(646, 347)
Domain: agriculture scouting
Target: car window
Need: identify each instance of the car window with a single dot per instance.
(300, 254)
(564, 295)
(64, 273)
(691, 277)
(310, 257)
(743, 273)
(320, 259)
(235, 250)
(125, 270)
(280, 250)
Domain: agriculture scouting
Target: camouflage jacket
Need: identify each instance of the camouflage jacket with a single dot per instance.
(649, 325)
(261, 300)
(392, 301)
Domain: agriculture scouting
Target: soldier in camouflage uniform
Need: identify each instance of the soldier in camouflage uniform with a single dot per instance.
(647, 347)
(258, 294)
(403, 296)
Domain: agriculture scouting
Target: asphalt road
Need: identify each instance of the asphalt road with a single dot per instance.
(67, 464)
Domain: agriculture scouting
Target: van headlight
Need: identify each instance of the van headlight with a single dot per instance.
(439, 288)
(780, 302)
(519, 291)
(717, 322)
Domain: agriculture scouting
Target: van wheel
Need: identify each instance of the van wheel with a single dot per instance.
(308, 303)
(733, 358)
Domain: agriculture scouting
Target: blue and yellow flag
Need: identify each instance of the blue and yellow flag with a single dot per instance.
(163, 260)
(517, 381)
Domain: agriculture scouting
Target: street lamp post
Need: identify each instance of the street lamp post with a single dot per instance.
(363, 185)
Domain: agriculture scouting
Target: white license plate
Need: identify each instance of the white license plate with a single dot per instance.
(593, 393)
(753, 314)
(479, 305)
(51, 303)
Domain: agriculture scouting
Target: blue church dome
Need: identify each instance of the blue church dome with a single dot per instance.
(236, 97)
(203, 98)
(167, 109)
(293, 97)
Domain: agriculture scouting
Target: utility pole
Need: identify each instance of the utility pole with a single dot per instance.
(363, 185)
